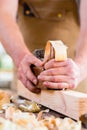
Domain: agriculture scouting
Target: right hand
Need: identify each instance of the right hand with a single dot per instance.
(60, 75)
(25, 74)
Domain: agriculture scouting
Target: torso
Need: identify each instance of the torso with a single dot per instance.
(53, 20)
(57, 19)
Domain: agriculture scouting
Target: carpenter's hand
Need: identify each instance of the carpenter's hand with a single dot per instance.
(25, 74)
(59, 75)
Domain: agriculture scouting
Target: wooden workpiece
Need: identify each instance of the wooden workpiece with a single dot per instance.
(69, 103)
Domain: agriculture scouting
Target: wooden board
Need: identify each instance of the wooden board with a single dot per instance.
(69, 103)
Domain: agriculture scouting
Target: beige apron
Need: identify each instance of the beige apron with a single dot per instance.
(54, 19)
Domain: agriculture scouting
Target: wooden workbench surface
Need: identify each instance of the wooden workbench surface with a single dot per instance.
(69, 103)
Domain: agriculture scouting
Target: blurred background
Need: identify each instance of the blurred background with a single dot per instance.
(40, 21)
(6, 69)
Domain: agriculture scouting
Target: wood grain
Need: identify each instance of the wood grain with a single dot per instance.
(69, 103)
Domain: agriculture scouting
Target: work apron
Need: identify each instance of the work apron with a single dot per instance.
(50, 20)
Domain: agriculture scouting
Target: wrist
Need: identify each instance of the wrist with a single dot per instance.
(82, 65)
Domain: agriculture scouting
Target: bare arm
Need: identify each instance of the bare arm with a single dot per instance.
(81, 50)
(9, 32)
(70, 73)
(13, 42)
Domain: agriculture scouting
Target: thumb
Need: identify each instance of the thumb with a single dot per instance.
(34, 60)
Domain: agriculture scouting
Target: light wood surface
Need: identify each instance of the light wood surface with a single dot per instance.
(69, 103)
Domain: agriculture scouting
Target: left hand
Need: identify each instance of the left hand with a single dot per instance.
(60, 75)
(25, 74)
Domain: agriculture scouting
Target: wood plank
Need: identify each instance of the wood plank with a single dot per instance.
(69, 103)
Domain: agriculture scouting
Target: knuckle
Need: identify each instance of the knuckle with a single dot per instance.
(54, 64)
(46, 65)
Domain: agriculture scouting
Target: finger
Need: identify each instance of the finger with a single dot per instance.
(58, 78)
(53, 64)
(31, 59)
(30, 76)
(26, 72)
(55, 71)
(31, 87)
(24, 67)
(52, 85)
(21, 76)
(22, 79)
(27, 61)
(27, 83)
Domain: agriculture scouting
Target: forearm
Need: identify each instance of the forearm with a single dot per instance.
(81, 49)
(11, 38)
(81, 54)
